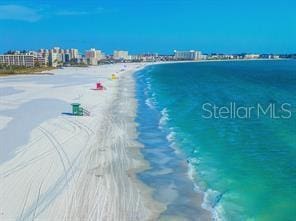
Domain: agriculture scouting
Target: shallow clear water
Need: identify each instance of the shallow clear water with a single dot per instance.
(245, 167)
(167, 175)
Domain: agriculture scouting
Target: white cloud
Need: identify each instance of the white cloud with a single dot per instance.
(23, 13)
(18, 12)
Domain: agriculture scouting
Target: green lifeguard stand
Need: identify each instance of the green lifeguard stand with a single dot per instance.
(76, 109)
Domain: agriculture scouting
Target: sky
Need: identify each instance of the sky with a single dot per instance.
(222, 26)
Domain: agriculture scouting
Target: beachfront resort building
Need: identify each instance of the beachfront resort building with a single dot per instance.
(43, 57)
(251, 56)
(17, 60)
(74, 53)
(54, 58)
(25, 59)
(58, 56)
(187, 55)
(120, 55)
(93, 56)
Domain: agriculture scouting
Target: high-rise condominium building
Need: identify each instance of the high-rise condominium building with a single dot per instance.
(187, 55)
(93, 56)
(120, 55)
(74, 53)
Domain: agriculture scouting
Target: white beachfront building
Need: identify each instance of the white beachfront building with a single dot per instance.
(187, 55)
(93, 56)
(120, 55)
(18, 60)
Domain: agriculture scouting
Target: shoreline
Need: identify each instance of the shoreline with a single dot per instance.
(169, 172)
(218, 60)
(127, 100)
(44, 71)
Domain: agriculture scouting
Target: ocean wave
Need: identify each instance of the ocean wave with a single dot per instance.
(164, 118)
(149, 87)
(171, 137)
(211, 203)
(150, 102)
(191, 172)
(211, 197)
(192, 163)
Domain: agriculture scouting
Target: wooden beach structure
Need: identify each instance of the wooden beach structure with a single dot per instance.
(77, 110)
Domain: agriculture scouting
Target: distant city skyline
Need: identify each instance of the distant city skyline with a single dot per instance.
(156, 26)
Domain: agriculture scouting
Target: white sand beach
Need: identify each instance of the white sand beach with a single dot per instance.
(55, 166)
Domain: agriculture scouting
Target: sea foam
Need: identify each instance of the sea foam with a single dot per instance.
(150, 102)
(164, 118)
(211, 203)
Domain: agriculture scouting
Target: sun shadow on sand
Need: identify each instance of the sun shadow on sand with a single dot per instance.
(25, 118)
(5, 91)
(68, 114)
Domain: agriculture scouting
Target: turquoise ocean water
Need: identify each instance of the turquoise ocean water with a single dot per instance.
(242, 169)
